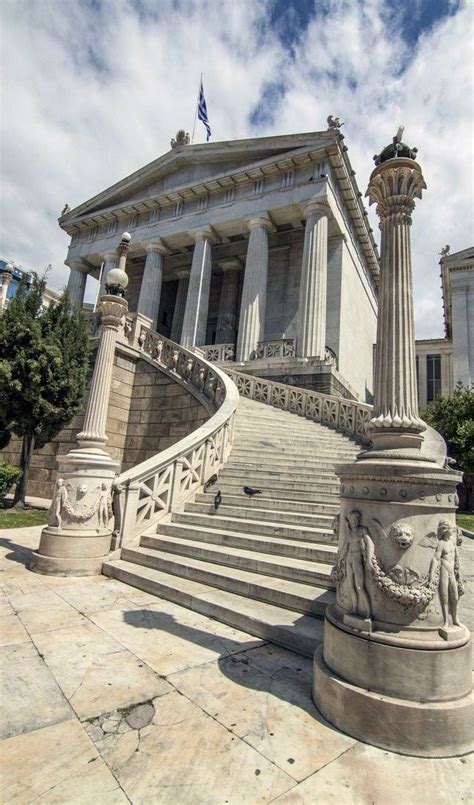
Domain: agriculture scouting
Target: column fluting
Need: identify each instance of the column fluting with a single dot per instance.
(254, 292)
(180, 304)
(311, 339)
(227, 317)
(150, 289)
(197, 302)
(76, 285)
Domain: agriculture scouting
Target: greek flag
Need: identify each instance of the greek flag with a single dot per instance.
(202, 111)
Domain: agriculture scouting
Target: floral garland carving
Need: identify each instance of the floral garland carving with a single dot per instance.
(406, 596)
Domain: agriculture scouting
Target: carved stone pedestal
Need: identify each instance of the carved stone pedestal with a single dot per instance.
(78, 536)
(395, 667)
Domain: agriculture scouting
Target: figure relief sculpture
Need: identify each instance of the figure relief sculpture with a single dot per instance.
(57, 504)
(445, 566)
(352, 563)
(104, 505)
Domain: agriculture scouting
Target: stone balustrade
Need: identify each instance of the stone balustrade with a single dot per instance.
(347, 416)
(281, 348)
(219, 353)
(154, 488)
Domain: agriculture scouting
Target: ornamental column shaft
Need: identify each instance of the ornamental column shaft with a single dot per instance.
(180, 305)
(227, 317)
(311, 341)
(150, 289)
(395, 418)
(254, 292)
(76, 285)
(197, 303)
(77, 538)
(395, 666)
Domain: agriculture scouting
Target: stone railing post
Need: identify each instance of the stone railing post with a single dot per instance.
(78, 535)
(395, 669)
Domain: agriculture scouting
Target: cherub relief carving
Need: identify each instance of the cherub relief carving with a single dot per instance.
(57, 504)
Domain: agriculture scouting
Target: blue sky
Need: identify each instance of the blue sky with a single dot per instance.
(93, 89)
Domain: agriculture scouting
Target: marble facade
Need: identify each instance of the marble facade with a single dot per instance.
(260, 248)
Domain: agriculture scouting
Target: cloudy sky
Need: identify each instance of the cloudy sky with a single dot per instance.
(94, 89)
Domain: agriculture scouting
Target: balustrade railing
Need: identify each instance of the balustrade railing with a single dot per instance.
(219, 353)
(282, 348)
(348, 416)
(154, 488)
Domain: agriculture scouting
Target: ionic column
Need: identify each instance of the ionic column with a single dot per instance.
(110, 261)
(311, 340)
(393, 186)
(180, 304)
(227, 316)
(76, 285)
(197, 303)
(254, 292)
(150, 289)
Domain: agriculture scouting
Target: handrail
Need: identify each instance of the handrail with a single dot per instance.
(347, 416)
(161, 484)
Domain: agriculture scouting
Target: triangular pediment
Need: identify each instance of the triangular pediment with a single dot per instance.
(196, 164)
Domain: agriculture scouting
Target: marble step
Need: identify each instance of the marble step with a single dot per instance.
(267, 503)
(278, 458)
(283, 567)
(273, 433)
(281, 592)
(290, 629)
(287, 480)
(285, 492)
(218, 521)
(297, 448)
(293, 465)
(290, 517)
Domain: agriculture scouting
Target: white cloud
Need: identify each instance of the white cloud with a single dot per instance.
(93, 91)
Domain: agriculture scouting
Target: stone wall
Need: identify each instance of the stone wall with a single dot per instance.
(148, 412)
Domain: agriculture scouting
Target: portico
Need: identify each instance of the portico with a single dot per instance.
(255, 260)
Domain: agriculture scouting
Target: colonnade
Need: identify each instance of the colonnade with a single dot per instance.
(192, 301)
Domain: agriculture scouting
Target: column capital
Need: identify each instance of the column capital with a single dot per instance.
(76, 264)
(393, 186)
(230, 264)
(182, 273)
(204, 233)
(157, 246)
(316, 205)
(261, 219)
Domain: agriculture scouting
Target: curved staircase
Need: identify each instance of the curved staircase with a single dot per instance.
(261, 564)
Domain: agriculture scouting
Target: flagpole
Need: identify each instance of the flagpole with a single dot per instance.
(196, 112)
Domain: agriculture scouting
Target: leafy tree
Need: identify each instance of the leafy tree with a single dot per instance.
(43, 366)
(453, 417)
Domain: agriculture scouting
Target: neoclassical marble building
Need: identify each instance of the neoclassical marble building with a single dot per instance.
(259, 251)
(443, 362)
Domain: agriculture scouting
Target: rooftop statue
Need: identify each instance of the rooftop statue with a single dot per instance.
(445, 252)
(182, 138)
(334, 122)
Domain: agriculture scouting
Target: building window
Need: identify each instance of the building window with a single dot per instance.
(433, 377)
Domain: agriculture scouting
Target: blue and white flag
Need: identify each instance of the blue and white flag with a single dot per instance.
(202, 111)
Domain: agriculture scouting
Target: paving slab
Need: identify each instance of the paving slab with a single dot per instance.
(56, 764)
(95, 672)
(184, 756)
(365, 775)
(264, 697)
(31, 697)
(170, 638)
(12, 630)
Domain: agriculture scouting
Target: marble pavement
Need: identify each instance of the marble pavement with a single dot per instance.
(111, 695)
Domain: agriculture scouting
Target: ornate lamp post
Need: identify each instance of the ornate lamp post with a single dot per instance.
(395, 667)
(78, 536)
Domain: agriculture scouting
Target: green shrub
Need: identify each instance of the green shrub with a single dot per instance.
(9, 475)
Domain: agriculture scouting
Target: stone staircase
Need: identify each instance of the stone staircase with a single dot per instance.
(261, 564)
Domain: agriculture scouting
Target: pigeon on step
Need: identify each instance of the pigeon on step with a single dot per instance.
(217, 500)
(250, 491)
(210, 482)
